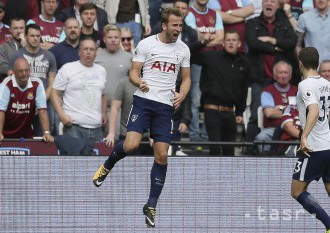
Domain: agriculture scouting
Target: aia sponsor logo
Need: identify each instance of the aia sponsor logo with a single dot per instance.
(163, 66)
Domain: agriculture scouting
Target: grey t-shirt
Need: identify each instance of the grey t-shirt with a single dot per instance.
(124, 92)
(41, 63)
(117, 66)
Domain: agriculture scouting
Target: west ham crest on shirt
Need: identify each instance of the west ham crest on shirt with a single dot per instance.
(30, 96)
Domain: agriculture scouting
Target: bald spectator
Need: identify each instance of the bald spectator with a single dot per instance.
(8, 49)
(51, 28)
(20, 97)
(325, 69)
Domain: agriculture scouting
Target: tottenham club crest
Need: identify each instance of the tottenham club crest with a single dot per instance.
(134, 117)
(177, 56)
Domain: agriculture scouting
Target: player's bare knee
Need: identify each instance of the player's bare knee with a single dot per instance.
(131, 146)
(161, 158)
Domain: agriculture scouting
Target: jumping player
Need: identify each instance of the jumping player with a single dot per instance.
(313, 101)
(160, 58)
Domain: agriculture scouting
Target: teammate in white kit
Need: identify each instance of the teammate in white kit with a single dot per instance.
(313, 101)
(159, 57)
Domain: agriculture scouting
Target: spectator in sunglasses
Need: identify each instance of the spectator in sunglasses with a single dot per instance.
(127, 41)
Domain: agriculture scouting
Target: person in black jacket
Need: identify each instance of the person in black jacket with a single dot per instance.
(224, 85)
(270, 38)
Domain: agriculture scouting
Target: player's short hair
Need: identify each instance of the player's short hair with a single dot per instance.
(32, 26)
(167, 12)
(15, 19)
(281, 62)
(110, 27)
(87, 6)
(309, 57)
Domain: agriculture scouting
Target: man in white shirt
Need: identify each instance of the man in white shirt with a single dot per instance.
(83, 109)
(159, 57)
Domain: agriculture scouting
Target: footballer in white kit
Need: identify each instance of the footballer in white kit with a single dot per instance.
(156, 63)
(313, 101)
(162, 63)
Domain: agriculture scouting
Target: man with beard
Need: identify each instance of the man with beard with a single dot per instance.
(67, 51)
(9, 48)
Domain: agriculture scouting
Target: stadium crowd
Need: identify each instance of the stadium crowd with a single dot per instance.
(243, 60)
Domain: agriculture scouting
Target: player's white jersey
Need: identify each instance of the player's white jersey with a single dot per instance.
(162, 63)
(310, 91)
